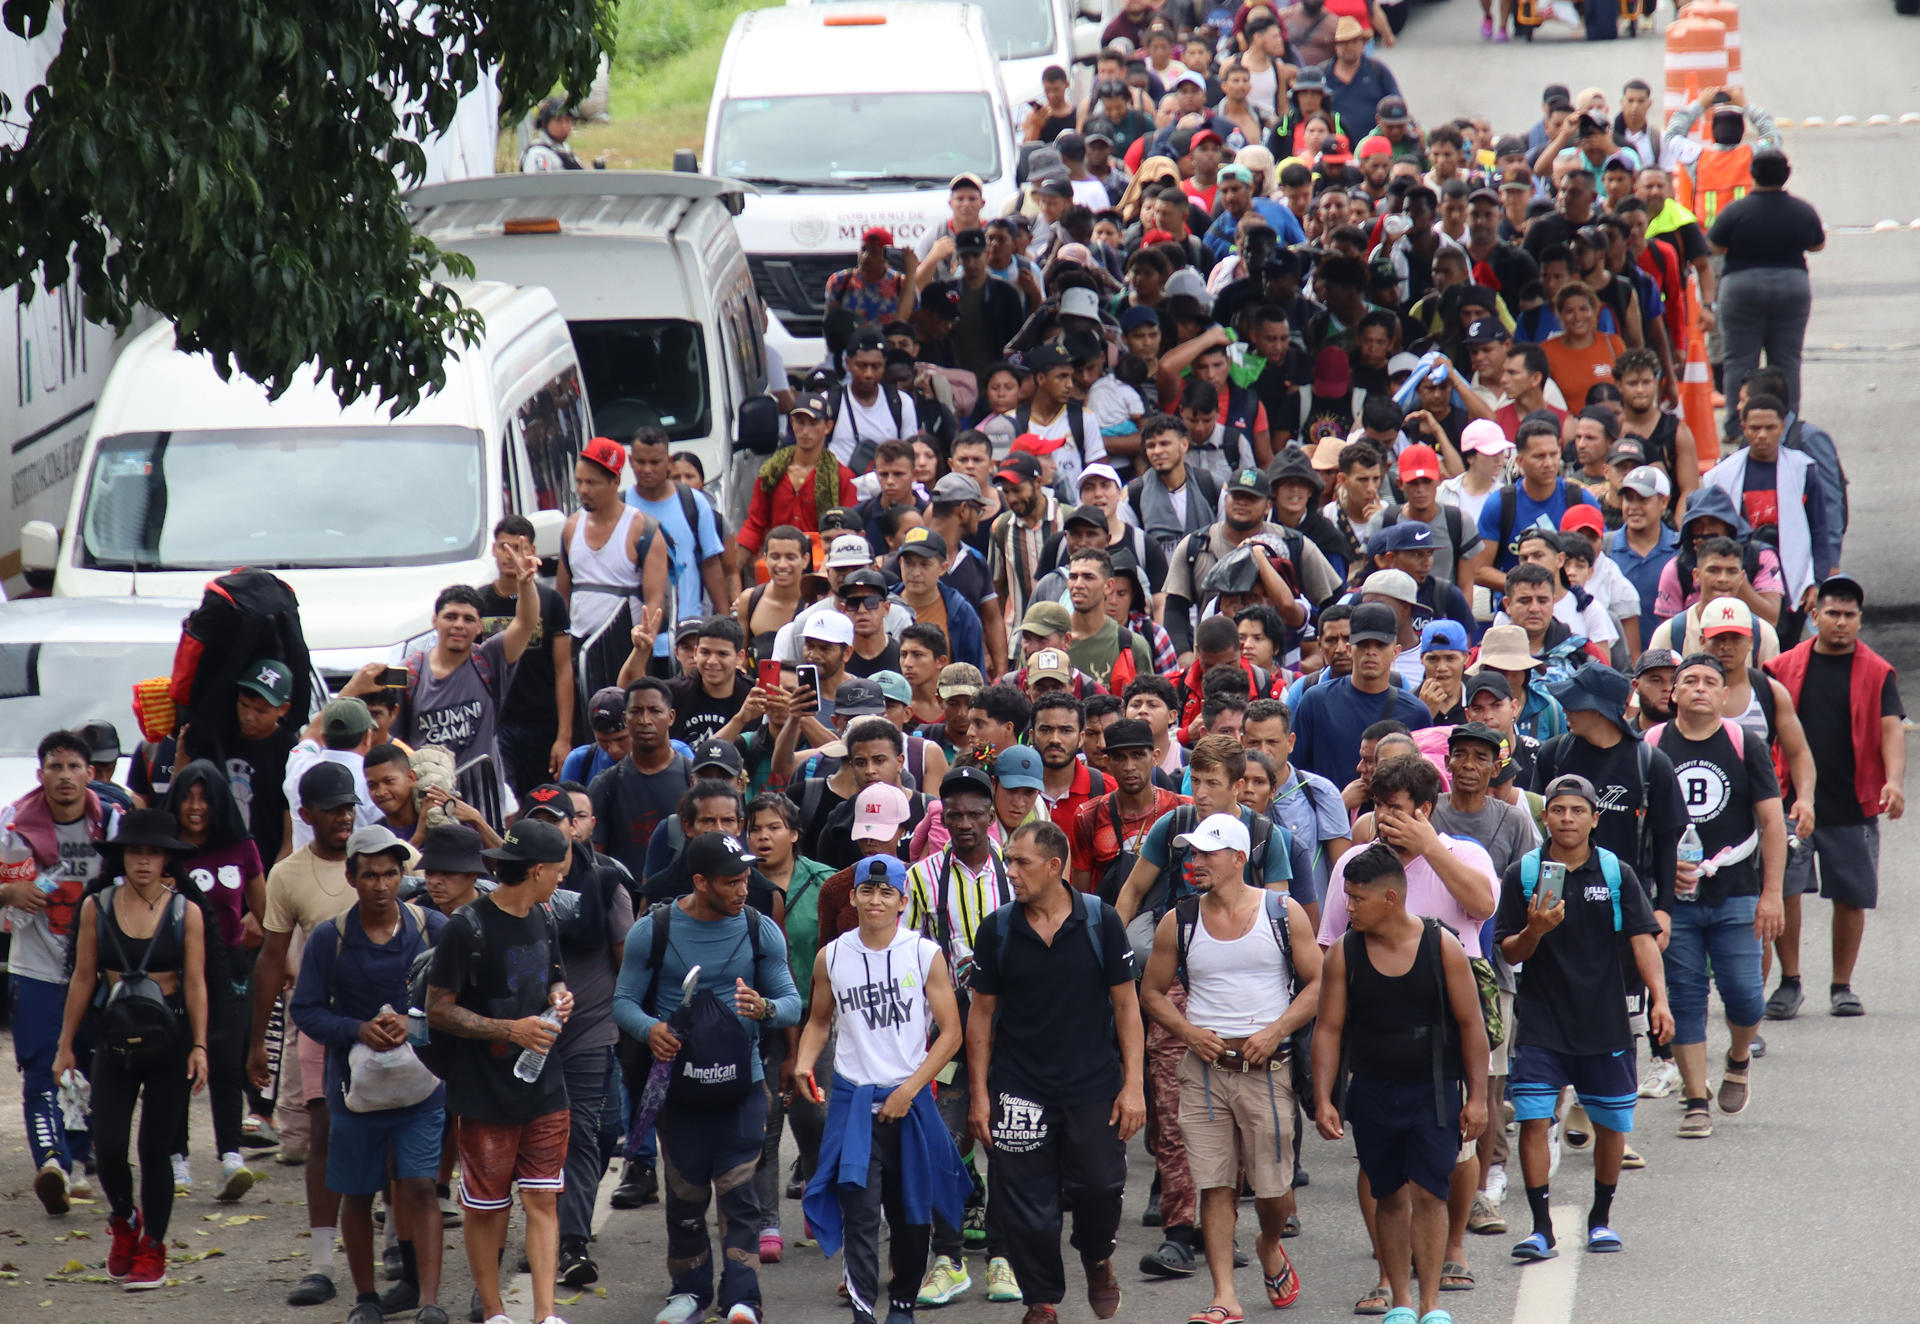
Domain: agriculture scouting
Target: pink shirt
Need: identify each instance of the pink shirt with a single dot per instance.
(1427, 896)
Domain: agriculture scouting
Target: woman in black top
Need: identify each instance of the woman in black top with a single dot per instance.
(139, 922)
(1765, 295)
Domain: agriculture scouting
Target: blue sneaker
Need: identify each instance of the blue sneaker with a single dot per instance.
(1534, 1247)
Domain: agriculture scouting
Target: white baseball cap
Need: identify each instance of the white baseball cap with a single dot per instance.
(829, 627)
(849, 552)
(1217, 832)
(1395, 584)
(1648, 481)
(1726, 616)
(1105, 471)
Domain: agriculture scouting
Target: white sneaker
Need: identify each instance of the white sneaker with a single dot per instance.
(1661, 1079)
(553, 1319)
(499, 1319)
(743, 1314)
(78, 1186)
(681, 1309)
(182, 1175)
(236, 1179)
(1496, 1188)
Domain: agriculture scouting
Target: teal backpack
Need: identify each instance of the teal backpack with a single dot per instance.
(1609, 870)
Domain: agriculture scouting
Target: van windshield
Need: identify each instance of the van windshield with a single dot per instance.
(888, 138)
(644, 373)
(1021, 28)
(284, 498)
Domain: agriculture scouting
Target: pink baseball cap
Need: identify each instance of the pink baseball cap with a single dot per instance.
(1485, 435)
(878, 811)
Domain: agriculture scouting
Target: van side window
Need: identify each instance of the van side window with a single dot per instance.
(554, 426)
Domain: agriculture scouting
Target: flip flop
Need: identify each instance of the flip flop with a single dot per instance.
(1534, 1247)
(1375, 1302)
(1401, 1315)
(1603, 1240)
(1283, 1288)
(1215, 1315)
(1455, 1277)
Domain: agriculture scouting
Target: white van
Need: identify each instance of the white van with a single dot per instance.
(1030, 35)
(367, 516)
(648, 272)
(847, 116)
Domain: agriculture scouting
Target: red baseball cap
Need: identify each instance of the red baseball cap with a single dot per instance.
(1029, 443)
(1585, 517)
(1420, 461)
(1156, 237)
(607, 453)
(1372, 145)
(880, 232)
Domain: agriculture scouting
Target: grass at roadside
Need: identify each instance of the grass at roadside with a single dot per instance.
(663, 64)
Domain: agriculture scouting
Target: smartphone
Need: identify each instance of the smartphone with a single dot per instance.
(393, 678)
(809, 676)
(1553, 883)
(769, 675)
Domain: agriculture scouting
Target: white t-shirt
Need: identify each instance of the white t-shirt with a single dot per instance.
(1594, 623)
(1453, 492)
(874, 422)
(1114, 405)
(881, 1019)
(1091, 194)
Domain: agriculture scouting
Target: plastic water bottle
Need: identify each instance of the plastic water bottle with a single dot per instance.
(531, 1061)
(416, 1027)
(1690, 851)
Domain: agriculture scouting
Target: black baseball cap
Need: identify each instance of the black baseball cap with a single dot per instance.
(933, 547)
(452, 848)
(1655, 658)
(719, 855)
(1128, 733)
(1374, 622)
(861, 581)
(814, 404)
(718, 754)
(550, 799)
(970, 241)
(1480, 731)
(1492, 682)
(608, 711)
(328, 786)
(966, 778)
(1248, 480)
(532, 841)
(1091, 516)
(859, 697)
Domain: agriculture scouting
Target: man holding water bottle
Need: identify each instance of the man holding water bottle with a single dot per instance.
(513, 1114)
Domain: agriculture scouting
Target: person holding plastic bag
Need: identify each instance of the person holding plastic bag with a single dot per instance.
(352, 998)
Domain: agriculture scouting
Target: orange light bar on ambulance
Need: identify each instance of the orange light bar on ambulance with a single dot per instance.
(856, 21)
(532, 225)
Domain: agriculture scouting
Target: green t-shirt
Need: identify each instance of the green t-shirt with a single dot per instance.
(1097, 654)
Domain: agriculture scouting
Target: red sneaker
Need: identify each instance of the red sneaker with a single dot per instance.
(149, 1265)
(126, 1236)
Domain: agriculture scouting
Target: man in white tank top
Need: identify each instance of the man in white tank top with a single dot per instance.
(601, 563)
(882, 983)
(1247, 994)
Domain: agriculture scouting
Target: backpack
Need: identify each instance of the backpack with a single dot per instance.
(1455, 522)
(718, 1072)
(1300, 1042)
(242, 617)
(689, 511)
(136, 1022)
(861, 460)
(1160, 898)
(1609, 870)
(437, 1053)
(1090, 905)
(1510, 511)
(1076, 421)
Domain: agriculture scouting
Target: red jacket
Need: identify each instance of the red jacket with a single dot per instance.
(770, 508)
(1870, 672)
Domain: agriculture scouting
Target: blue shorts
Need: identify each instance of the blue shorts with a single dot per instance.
(1604, 1083)
(358, 1145)
(1399, 1137)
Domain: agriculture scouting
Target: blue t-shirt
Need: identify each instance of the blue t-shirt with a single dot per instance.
(1330, 718)
(687, 549)
(1527, 514)
(724, 953)
(1277, 868)
(1310, 807)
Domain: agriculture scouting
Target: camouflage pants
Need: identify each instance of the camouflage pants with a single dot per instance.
(1179, 1202)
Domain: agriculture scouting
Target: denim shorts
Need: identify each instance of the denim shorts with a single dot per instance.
(358, 1145)
(1721, 937)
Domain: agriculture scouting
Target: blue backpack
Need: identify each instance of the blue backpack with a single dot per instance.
(1609, 870)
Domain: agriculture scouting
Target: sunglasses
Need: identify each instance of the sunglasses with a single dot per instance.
(868, 603)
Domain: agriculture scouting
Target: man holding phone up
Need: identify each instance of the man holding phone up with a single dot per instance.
(1565, 910)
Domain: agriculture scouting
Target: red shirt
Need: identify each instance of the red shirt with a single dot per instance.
(1092, 841)
(1077, 794)
(1508, 417)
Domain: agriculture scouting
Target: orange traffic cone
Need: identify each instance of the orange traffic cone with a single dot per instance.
(1696, 388)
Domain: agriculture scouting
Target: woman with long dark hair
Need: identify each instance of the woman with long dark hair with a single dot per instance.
(225, 869)
(139, 938)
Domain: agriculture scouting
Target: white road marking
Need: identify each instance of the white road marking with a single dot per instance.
(1546, 1288)
(518, 1290)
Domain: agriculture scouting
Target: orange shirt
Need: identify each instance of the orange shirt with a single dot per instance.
(1575, 371)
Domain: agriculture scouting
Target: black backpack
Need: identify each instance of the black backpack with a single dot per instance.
(437, 1053)
(1185, 817)
(636, 1057)
(136, 1022)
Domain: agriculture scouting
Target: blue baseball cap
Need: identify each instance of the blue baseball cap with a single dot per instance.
(1406, 536)
(1019, 767)
(1442, 637)
(1136, 317)
(888, 869)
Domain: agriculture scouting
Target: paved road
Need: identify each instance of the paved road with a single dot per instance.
(1803, 1208)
